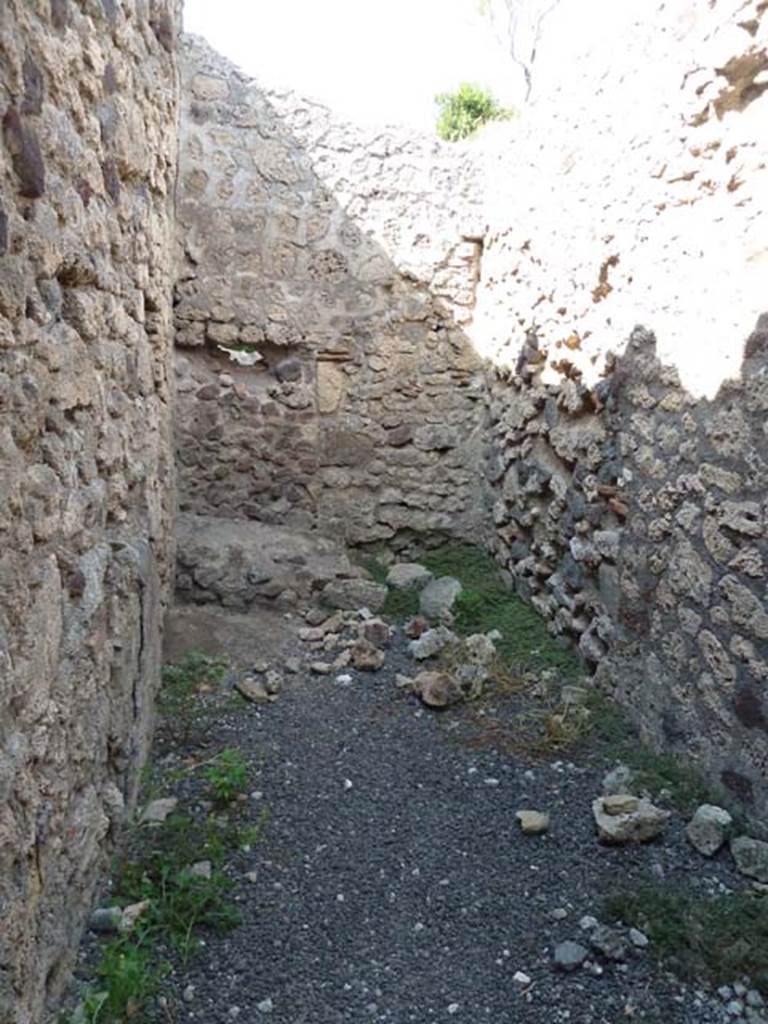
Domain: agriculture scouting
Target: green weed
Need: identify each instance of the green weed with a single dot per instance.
(462, 112)
(227, 774)
(181, 905)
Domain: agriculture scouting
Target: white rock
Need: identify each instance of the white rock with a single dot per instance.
(521, 978)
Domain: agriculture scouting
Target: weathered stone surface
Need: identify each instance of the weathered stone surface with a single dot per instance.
(708, 829)
(238, 564)
(86, 474)
(357, 416)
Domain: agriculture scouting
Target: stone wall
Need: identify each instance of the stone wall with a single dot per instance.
(630, 468)
(87, 159)
(328, 276)
(341, 289)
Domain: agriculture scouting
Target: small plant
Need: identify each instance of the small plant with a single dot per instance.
(128, 979)
(227, 775)
(462, 112)
(180, 904)
(716, 938)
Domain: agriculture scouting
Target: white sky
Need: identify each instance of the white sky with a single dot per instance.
(372, 61)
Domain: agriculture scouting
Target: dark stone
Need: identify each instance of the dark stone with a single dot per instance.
(60, 14)
(76, 583)
(739, 785)
(110, 79)
(288, 370)
(162, 26)
(400, 436)
(26, 156)
(577, 504)
(207, 392)
(3, 232)
(749, 709)
(573, 573)
(519, 550)
(33, 87)
(111, 179)
(673, 729)
(757, 342)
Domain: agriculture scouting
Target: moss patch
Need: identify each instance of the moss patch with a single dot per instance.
(717, 939)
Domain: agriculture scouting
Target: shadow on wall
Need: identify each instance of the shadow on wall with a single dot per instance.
(324, 383)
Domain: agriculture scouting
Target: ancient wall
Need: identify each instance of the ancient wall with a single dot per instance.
(630, 468)
(327, 278)
(87, 160)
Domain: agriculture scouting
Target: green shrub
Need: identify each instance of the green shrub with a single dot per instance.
(464, 111)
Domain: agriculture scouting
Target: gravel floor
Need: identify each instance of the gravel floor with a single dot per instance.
(393, 884)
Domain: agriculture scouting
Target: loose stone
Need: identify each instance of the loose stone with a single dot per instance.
(533, 823)
(569, 956)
